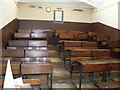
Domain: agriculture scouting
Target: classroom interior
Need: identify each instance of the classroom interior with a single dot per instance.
(60, 44)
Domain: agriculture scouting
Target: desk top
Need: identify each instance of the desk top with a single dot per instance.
(99, 62)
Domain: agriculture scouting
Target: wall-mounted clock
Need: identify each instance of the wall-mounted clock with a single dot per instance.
(48, 9)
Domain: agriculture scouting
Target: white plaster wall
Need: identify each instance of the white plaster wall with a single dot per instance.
(106, 14)
(25, 12)
(8, 12)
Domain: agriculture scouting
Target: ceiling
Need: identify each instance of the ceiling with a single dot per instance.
(75, 3)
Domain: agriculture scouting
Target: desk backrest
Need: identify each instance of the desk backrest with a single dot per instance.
(30, 68)
(36, 53)
(21, 35)
(38, 35)
(73, 32)
(89, 44)
(72, 44)
(115, 66)
(113, 43)
(28, 48)
(102, 37)
(38, 31)
(101, 52)
(36, 59)
(94, 67)
(13, 53)
(15, 68)
(60, 31)
(80, 36)
(91, 34)
(81, 53)
(17, 43)
(33, 43)
(66, 36)
(24, 31)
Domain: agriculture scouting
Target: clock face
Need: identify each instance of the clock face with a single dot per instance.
(48, 9)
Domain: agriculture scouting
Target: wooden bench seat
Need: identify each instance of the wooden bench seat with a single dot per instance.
(109, 85)
(32, 82)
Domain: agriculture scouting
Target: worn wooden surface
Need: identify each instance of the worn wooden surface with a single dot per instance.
(36, 68)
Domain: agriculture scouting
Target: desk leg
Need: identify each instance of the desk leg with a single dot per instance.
(81, 67)
(104, 76)
(71, 69)
(51, 81)
(64, 56)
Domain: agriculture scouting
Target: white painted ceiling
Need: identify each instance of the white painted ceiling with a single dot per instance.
(76, 3)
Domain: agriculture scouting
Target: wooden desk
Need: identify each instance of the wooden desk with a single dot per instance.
(90, 66)
(37, 69)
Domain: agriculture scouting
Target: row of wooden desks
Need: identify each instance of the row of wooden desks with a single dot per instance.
(27, 43)
(29, 68)
(30, 36)
(98, 66)
(24, 53)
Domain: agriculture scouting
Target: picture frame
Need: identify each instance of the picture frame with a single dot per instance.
(58, 16)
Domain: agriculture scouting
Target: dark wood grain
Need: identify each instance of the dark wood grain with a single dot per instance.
(28, 31)
(89, 44)
(80, 53)
(13, 53)
(18, 43)
(65, 36)
(37, 43)
(101, 52)
(38, 35)
(80, 36)
(36, 53)
(22, 35)
(36, 68)
(15, 66)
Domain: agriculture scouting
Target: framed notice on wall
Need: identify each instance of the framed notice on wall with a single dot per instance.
(58, 16)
